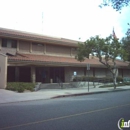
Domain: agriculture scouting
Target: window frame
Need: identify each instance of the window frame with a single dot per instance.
(6, 41)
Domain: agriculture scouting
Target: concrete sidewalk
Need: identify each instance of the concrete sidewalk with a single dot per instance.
(10, 96)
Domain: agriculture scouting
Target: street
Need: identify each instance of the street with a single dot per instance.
(90, 112)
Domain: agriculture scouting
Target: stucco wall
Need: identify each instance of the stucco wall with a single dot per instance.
(120, 72)
(100, 72)
(126, 72)
(37, 48)
(5, 50)
(58, 50)
(69, 72)
(3, 70)
(24, 46)
(89, 72)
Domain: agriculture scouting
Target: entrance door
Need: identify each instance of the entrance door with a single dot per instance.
(42, 74)
(57, 73)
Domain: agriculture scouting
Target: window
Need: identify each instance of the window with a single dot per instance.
(9, 43)
(37, 44)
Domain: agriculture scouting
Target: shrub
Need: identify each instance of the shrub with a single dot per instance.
(20, 89)
(96, 79)
(126, 83)
(119, 79)
(20, 86)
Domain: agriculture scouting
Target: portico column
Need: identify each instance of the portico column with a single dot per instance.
(33, 74)
(16, 74)
(0, 44)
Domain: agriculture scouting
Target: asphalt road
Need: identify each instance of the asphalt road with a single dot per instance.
(91, 112)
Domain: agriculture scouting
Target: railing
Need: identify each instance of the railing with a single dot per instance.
(126, 79)
(96, 81)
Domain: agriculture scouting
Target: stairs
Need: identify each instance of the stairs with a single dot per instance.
(54, 86)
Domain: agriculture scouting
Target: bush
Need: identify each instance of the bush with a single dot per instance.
(20, 89)
(96, 79)
(20, 86)
(119, 79)
(126, 83)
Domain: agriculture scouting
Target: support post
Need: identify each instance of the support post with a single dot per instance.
(16, 74)
(33, 74)
(3, 71)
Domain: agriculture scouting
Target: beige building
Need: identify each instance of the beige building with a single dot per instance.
(3, 70)
(38, 58)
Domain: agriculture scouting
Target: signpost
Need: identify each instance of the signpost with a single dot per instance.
(88, 68)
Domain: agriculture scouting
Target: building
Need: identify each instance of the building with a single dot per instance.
(34, 58)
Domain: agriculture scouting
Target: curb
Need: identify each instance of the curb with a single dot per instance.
(88, 93)
(69, 95)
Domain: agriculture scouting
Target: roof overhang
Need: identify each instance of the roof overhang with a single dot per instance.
(21, 35)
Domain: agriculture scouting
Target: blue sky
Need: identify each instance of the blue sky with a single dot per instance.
(72, 19)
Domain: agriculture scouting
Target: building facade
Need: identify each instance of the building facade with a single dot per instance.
(38, 58)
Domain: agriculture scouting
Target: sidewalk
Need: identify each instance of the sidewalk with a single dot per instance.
(10, 96)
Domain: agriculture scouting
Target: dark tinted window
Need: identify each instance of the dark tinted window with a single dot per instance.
(5, 43)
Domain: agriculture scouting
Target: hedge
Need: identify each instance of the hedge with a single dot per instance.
(20, 86)
(96, 79)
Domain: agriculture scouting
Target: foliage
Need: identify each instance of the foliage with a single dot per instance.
(20, 86)
(119, 85)
(116, 4)
(107, 50)
(96, 79)
(126, 45)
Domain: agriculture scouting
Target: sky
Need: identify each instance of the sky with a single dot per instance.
(71, 19)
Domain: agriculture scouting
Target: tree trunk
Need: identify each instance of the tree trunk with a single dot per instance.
(115, 74)
(114, 80)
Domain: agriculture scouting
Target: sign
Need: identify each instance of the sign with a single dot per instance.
(123, 124)
(75, 73)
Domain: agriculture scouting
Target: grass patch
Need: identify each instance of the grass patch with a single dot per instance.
(20, 86)
(118, 85)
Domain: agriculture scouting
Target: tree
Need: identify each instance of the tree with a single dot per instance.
(126, 45)
(107, 50)
(116, 4)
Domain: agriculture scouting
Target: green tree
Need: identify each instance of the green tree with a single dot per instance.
(107, 50)
(116, 4)
(126, 45)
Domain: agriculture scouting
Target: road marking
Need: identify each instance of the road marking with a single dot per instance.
(63, 117)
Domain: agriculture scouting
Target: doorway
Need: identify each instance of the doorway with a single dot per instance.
(57, 73)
